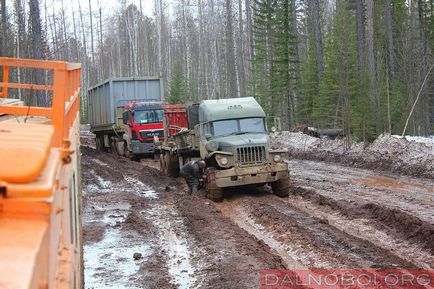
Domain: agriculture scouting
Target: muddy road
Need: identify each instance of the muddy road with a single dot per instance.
(142, 230)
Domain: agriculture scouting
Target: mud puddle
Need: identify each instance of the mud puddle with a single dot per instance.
(179, 255)
(114, 248)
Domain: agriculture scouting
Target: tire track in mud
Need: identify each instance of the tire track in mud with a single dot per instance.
(233, 257)
(359, 186)
(394, 222)
(192, 245)
(309, 240)
(362, 225)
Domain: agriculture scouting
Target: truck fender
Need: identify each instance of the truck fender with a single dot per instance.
(220, 153)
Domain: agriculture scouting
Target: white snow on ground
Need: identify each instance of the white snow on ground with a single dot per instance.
(142, 189)
(100, 182)
(101, 163)
(408, 150)
(419, 139)
(137, 187)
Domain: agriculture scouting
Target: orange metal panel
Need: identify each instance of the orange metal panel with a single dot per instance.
(59, 106)
(23, 252)
(25, 86)
(43, 186)
(5, 79)
(32, 63)
(25, 148)
(23, 209)
(26, 110)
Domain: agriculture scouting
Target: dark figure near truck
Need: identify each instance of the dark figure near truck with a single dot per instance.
(192, 172)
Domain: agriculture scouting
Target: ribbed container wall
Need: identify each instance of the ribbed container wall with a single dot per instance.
(107, 96)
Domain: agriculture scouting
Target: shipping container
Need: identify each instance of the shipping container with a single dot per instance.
(114, 92)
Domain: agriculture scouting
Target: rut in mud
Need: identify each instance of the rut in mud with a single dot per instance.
(183, 241)
(335, 217)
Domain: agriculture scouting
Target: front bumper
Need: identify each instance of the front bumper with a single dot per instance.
(239, 176)
(142, 147)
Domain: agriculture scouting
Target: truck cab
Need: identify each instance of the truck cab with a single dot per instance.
(231, 136)
(142, 121)
(234, 141)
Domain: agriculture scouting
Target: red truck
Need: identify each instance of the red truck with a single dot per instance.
(125, 114)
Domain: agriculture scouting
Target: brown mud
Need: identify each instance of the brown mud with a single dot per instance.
(335, 217)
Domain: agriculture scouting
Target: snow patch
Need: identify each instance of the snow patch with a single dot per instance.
(101, 163)
(402, 152)
(140, 188)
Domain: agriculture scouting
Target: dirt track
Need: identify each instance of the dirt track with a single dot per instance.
(337, 217)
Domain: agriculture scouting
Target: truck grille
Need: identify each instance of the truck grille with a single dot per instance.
(251, 155)
(151, 133)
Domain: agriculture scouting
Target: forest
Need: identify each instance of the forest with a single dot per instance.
(364, 66)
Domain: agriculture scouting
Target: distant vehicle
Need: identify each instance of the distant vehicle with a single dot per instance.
(40, 204)
(231, 136)
(125, 115)
(331, 133)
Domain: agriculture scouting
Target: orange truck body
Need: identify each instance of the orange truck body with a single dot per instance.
(40, 221)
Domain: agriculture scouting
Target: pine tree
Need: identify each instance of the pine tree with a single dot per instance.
(176, 90)
(275, 58)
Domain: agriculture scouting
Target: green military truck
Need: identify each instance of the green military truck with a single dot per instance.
(231, 136)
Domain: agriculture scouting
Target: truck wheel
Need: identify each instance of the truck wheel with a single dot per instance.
(281, 187)
(213, 192)
(163, 167)
(114, 148)
(98, 144)
(172, 165)
(127, 152)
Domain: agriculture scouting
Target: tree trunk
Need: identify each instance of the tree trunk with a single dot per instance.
(240, 54)
(389, 37)
(4, 21)
(230, 54)
(316, 18)
(91, 38)
(36, 52)
(370, 42)
(360, 36)
(249, 32)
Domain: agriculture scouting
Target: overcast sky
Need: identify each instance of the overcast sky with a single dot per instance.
(108, 7)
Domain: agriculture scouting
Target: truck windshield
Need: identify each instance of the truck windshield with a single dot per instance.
(238, 126)
(148, 116)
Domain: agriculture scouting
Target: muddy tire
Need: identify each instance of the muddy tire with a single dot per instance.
(128, 154)
(281, 187)
(213, 192)
(114, 148)
(163, 167)
(99, 144)
(171, 165)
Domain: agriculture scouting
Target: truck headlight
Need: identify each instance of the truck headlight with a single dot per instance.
(277, 158)
(224, 161)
